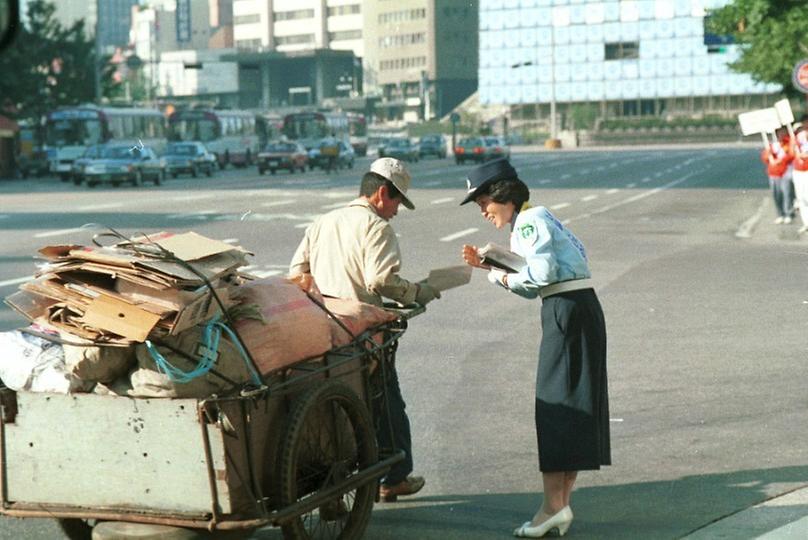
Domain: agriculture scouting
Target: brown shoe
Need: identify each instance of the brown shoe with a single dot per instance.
(410, 486)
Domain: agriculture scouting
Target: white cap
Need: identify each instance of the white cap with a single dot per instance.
(394, 170)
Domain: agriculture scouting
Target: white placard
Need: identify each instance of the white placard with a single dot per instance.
(759, 121)
(783, 108)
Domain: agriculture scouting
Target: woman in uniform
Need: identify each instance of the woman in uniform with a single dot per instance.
(572, 404)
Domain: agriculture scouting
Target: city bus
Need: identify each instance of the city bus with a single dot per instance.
(358, 133)
(70, 130)
(234, 137)
(309, 128)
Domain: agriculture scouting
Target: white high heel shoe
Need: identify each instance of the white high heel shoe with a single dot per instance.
(560, 521)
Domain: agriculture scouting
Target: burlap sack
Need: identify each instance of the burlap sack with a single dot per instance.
(96, 363)
(293, 328)
(148, 381)
(356, 316)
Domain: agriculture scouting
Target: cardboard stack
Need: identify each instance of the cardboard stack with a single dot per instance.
(122, 294)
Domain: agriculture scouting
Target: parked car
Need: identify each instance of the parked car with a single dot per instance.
(383, 146)
(78, 166)
(282, 155)
(496, 147)
(345, 158)
(470, 149)
(124, 163)
(432, 145)
(189, 157)
(402, 149)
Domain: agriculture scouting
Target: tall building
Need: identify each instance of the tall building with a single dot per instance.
(298, 25)
(421, 55)
(628, 56)
(114, 18)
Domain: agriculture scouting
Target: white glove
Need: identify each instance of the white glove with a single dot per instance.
(497, 277)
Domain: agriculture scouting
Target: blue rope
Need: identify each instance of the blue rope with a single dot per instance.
(211, 335)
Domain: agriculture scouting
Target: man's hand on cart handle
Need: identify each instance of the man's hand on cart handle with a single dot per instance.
(426, 293)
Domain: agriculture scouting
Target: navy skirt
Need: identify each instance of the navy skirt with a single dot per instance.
(572, 400)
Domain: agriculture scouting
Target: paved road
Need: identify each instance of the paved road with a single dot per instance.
(704, 306)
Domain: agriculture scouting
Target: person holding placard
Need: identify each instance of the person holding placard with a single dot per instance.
(800, 174)
(777, 156)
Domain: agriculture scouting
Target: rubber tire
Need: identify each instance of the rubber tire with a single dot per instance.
(272, 171)
(305, 428)
(76, 529)
(160, 178)
(174, 175)
(194, 171)
(138, 179)
(209, 171)
(77, 180)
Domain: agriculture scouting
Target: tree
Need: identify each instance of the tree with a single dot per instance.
(48, 65)
(772, 34)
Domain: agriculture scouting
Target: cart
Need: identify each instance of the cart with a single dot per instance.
(299, 452)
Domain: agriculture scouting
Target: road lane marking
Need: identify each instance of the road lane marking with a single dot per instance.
(646, 179)
(589, 198)
(198, 197)
(746, 228)
(201, 214)
(559, 206)
(100, 206)
(279, 203)
(634, 198)
(565, 176)
(267, 273)
(631, 186)
(15, 281)
(612, 191)
(59, 232)
(443, 200)
(544, 181)
(459, 234)
(230, 240)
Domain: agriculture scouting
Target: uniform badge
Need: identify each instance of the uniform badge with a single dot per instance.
(528, 233)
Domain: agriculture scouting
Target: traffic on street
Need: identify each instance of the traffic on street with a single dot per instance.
(694, 278)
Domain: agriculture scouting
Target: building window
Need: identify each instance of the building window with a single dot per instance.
(402, 40)
(351, 9)
(246, 19)
(627, 50)
(402, 63)
(344, 35)
(248, 44)
(293, 15)
(395, 17)
(295, 39)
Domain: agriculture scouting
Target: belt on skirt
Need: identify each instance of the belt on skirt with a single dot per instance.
(565, 286)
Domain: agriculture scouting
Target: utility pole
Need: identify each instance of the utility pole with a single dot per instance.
(97, 60)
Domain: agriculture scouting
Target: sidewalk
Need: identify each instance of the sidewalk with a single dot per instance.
(781, 518)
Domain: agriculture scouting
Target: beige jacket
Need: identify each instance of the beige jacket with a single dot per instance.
(353, 253)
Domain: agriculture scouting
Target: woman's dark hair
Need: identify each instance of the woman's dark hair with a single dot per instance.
(509, 190)
(372, 181)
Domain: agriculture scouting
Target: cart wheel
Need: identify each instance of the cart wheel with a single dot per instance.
(77, 529)
(328, 438)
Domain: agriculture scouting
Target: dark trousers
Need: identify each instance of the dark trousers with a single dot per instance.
(393, 417)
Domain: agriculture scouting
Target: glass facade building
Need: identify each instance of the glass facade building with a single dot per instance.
(572, 51)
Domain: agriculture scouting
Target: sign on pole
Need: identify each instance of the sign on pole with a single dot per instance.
(799, 76)
(759, 121)
(783, 108)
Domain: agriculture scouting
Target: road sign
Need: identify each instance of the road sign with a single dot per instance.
(800, 76)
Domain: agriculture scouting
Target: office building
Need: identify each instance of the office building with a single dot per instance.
(630, 57)
(421, 55)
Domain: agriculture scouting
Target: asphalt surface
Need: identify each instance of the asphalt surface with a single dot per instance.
(705, 307)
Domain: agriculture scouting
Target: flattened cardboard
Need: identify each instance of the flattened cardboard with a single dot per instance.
(449, 277)
(30, 305)
(190, 246)
(121, 318)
